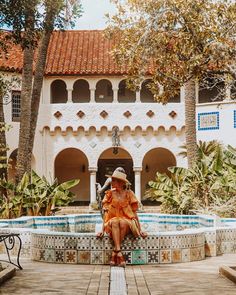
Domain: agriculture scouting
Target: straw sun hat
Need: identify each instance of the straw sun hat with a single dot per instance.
(119, 175)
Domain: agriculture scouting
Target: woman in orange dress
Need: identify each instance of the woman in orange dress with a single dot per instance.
(120, 218)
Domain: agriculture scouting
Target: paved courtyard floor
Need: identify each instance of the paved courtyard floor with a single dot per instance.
(195, 278)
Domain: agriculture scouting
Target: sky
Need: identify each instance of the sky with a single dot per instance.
(93, 15)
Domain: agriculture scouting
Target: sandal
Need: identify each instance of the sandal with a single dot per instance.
(120, 259)
(113, 260)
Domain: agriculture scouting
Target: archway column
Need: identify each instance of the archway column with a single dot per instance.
(69, 91)
(138, 99)
(137, 178)
(92, 94)
(93, 171)
(115, 94)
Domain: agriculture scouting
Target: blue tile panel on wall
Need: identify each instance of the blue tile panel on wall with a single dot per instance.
(209, 114)
(235, 119)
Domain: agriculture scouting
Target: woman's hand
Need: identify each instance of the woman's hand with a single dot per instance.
(100, 235)
(143, 234)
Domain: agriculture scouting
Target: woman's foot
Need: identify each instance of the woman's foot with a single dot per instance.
(113, 260)
(120, 259)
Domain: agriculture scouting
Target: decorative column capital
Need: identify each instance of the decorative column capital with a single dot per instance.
(92, 169)
(137, 169)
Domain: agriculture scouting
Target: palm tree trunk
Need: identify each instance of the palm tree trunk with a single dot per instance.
(26, 91)
(36, 93)
(3, 143)
(190, 122)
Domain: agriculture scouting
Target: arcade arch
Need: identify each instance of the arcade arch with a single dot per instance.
(58, 92)
(108, 162)
(155, 160)
(81, 92)
(104, 92)
(125, 94)
(72, 163)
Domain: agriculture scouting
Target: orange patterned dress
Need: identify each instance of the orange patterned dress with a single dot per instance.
(121, 208)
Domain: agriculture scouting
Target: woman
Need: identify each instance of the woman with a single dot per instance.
(120, 218)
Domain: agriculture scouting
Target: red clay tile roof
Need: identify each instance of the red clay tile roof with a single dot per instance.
(72, 53)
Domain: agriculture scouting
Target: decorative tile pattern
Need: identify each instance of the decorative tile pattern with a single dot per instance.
(127, 114)
(96, 257)
(84, 257)
(139, 257)
(138, 243)
(172, 114)
(70, 256)
(41, 255)
(128, 256)
(80, 114)
(70, 243)
(50, 255)
(165, 256)
(153, 256)
(150, 113)
(96, 244)
(107, 256)
(83, 243)
(107, 243)
(185, 255)
(176, 255)
(208, 121)
(152, 242)
(60, 256)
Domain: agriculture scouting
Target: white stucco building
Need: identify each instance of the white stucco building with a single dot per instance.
(84, 99)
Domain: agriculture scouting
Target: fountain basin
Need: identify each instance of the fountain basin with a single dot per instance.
(171, 239)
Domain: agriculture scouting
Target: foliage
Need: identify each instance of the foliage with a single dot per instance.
(209, 187)
(34, 195)
(175, 41)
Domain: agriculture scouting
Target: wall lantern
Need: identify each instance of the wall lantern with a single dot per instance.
(115, 139)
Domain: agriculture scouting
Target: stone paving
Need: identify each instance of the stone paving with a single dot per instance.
(195, 278)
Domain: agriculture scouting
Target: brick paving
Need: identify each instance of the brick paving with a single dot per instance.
(195, 278)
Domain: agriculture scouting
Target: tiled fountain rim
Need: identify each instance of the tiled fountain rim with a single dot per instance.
(160, 247)
(69, 217)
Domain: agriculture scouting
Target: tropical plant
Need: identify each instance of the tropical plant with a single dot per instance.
(34, 195)
(210, 186)
(175, 43)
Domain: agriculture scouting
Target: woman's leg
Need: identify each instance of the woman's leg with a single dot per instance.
(115, 228)
(124, 229)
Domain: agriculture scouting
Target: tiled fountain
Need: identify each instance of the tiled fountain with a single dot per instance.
(171, 238)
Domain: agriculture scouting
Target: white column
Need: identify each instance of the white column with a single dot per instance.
(137, 175)
(92, 94)
(115, 94)
(92, 171)
(137, 96)
(182, 94)
(69, 91)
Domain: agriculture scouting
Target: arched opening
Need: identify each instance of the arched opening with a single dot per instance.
(211, 90)
(155, 160)
(108, 162)
(12, 165)
(104, 92)
(125, 94)
(145, 94)
(58, 92)
(81, 91)
(72, 163)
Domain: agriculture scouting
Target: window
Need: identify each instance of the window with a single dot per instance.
(16, 106)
